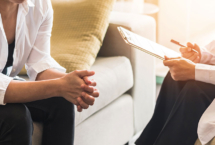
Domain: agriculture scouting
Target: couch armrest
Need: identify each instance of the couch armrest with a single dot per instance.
(143, 64)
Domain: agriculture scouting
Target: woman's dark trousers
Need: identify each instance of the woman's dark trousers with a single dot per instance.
(56, 114)
(178, 110)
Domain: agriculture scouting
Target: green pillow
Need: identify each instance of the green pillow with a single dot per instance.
(78, 31)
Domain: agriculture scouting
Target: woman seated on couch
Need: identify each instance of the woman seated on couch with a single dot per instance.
(187, 91)
(25, 31)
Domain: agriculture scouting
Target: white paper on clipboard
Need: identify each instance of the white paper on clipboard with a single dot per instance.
(147, 45)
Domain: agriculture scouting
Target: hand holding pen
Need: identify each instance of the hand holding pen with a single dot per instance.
(191, 51)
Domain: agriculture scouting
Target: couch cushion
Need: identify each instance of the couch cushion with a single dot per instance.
(37, 134)
(110, 119)
(114, 77)
(112, 125)
(212, 142)
(78, 31)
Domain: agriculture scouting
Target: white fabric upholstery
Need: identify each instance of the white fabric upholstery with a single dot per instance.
(113, 125)
(143, 65)
(114, 77)
(37, 135)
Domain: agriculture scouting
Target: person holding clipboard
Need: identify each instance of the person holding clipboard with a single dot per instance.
(187, 91)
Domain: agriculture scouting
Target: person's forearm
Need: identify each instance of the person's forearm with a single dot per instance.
(22, 92)
(49, 74)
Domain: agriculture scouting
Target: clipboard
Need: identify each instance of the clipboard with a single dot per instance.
(147, 45)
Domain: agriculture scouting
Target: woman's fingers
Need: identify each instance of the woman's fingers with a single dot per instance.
(89, 82)
(190, 45)
(93, 83)
(197, 48)
(79, 108)
(188, 54)
(95, 93)
(91, 90)
(84, 73)
(87, 98)
(166, 58)
(87, 88)
(185, 49)
(197, 60)
(82, 103)
(193, 57)
(90, 98)
(169, 62)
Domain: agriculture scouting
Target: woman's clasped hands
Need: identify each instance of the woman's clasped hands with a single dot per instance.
(183, 68)
(77, 88)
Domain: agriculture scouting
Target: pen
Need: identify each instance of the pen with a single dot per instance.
(179, 44)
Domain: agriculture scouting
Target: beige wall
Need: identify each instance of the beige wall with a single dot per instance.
(186, 20)
(152, 1)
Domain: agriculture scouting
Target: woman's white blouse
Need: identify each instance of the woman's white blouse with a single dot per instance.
(205, 70)
(32, 42)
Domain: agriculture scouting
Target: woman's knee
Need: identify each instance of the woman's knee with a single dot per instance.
(196, 86)
(16, 123)
(193, 91)
(17, 114)
(62, 107)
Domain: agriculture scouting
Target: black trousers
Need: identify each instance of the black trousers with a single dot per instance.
(56, 114)
(178, 110)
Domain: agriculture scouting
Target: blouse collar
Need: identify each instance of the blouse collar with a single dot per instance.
(26, 5)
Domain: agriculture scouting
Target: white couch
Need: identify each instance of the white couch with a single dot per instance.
(126, 80)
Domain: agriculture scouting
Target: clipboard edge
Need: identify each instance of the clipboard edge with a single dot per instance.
(137, 47)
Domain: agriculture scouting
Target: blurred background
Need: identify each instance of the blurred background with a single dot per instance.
(184, 20)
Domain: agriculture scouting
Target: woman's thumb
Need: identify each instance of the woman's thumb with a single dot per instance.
(196, 47)
(189, 44)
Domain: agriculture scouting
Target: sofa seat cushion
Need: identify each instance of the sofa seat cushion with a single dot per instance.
(114, 77)
(112, 125)
(116, 118)
(212, 142)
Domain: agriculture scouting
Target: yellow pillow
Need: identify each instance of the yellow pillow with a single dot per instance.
(78, 31)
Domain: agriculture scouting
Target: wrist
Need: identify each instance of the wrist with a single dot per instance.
(56, 88)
